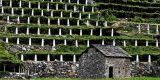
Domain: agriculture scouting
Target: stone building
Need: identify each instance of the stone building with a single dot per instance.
(100, 61)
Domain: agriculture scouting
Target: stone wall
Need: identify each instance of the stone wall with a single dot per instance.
(50, 69)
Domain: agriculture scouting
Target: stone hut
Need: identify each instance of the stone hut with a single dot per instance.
(101, 61)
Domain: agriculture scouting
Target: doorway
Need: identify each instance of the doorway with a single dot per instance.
(111, 72)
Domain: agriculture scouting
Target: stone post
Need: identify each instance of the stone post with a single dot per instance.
(80, 16)
(35, 57)
(89, 16)
(61, 14)
(81, 33)
(148, 29)
(97, 23)
(30, 41)
(7, 41)
(77, 22)
(65, 42)
(39, 22)
(38, 31)
(18, 20)
(8, 21)
(56, 6)
(76, 43)
(77, 1)
(103, 42)
(114, 43)
(29, 4)
(49, 31)
(20, 4)
(82, 8)
(70, 14)
(61, 58)
(135, 42)
(28, 20)
(149, 59)
(51, 0)
(27, 32)
(58, 22)
(124, 43)
(75, 8)
(100, 32)
(32, 12)
(39, 5)
(4, 67)
(42, 43)
(22, 57)
(54, 43)
(86, 2)
(87, 23)
(10, 3)
(146, 43)
(48, 7)
(1, 3)
(74, 58)
(52, 13)
(157, 45)
(112, 32)
(70, 31)
(22, 12)
(2, 11)
(88, 43)
(17, 41)
(16, 32)
(137, 58)
(68, 22)
(69, 1)
(91, 33)
(12, 12)
(139, 28)
(48, 57)
(49, 21)
(60, 31)
(92, 9)
(65, 8)
(105, 24)
(157, 29)
(41, 12)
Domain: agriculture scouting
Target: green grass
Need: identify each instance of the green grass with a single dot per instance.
(133, 78)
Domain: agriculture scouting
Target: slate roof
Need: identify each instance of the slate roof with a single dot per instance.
(111, 51)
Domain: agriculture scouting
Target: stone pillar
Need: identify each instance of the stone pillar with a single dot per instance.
(56, 6)
(52, 13)
(137, 58)
(49, 21)
(65, 8)
(35, 57)
(157, 29)
(89, 16)
(77, 22)
(149, 59)
(20, 4)
(30, 41)
(39, 22)
(28, 20)
(92, 9)
(60, 31)
(97, 23)
(75, 8)
(58, 22)
(88, 43)
(135, 42)
(100, 32)
(22, 57)
(86, 2)
(146, 43)
(103, 42)
(49, 31)
(68, 22)
(32, 12)
(124, 43)
(48, 7)
(70, 31)
(157, 45)
(105, 24)
(139, 28)
(48, 57)
(91, 33)
(61, 58)
(148, 29)
(76, 43)
(29, 4)
(69, 1)
(27, 32)
(12, 11)
(51, 0)
(10, 3)
(65, 42)
(114, 43)
(16, 31)
(82, 8)
(112, 32)
(41, 12)
(22, 12)
(8, 21)
(74, 58)
(80, 16)
(38, 31)
(61, 14)
(1, 3)
(42, 43)
(7, 41)
(17, 41)
(70, 14)
(54, 43)
(18, 20)
(88, 23)
(2, 11)
(81, 33)
(77, 1)
(39, 5)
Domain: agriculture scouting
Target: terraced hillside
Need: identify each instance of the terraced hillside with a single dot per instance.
(45, 30)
